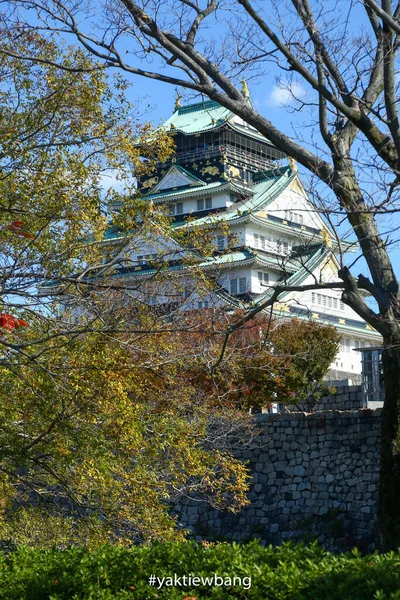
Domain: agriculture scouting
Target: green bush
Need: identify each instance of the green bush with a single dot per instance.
(287, 572)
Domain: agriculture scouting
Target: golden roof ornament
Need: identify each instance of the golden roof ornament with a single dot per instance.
(293, 164)
(245, 89)
(327, 238)
(178, 102)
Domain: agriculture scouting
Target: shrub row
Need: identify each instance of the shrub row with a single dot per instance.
(284, 573)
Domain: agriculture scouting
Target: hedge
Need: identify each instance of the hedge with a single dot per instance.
(287, 572)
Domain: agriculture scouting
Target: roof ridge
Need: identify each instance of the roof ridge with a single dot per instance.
(273, 172)
(204, 104)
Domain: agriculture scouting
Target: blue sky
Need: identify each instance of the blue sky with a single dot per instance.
(156, 99)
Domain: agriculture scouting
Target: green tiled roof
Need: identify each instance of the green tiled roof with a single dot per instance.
(229, 258)
(215, 186)
(276, 262)
(275, 182)
(244, 255)
(253, 133)
(267, 190)
(198, 117)
(307, 267)
(206, 116)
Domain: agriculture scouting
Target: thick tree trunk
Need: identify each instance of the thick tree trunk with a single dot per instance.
(389, 485)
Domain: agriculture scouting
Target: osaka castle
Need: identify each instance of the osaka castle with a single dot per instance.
(229, 181)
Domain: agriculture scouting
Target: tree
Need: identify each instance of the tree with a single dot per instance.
(346, 55)
(306, 351)
(264, 362)
(95, 441)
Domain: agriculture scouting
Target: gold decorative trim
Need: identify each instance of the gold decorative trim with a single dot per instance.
(282, 307)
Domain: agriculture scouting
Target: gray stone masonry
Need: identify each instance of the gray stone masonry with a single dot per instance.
(314, 476)
(349, 397)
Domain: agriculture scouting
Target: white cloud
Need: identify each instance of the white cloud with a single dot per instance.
(286, 93)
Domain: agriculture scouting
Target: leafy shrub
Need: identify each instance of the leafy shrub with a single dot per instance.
(285, 573)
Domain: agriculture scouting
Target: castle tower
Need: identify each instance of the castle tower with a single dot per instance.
(228, 179)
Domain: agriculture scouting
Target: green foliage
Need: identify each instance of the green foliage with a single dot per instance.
(96, 441)
(285, 573)
(98, 433)
(306, 350)
(61, 132)
(264, 361)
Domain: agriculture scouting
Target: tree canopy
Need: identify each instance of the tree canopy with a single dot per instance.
(346, 55)
(95, 441)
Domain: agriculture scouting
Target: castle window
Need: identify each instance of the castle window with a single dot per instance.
(294, 217)
(327, 301)
(262, 242)
(221, 242)
(175, 209)
(256, 240)
(203, 304)
(263, 278)
(208, 202)
(233, 286)
(242, 285)
(200, 204)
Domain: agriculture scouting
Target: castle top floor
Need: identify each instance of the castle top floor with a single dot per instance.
(208, 135)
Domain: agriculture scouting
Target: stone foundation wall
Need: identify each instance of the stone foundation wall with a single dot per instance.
(345, 398)
(314, 476)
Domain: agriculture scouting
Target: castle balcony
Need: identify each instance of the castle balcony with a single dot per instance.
(228, 153)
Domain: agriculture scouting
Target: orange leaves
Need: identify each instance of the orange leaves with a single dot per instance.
(17, 227)
(9, 322)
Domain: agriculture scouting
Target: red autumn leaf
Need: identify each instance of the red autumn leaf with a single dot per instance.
(9, 322)
(22, 323)
(17, 227)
